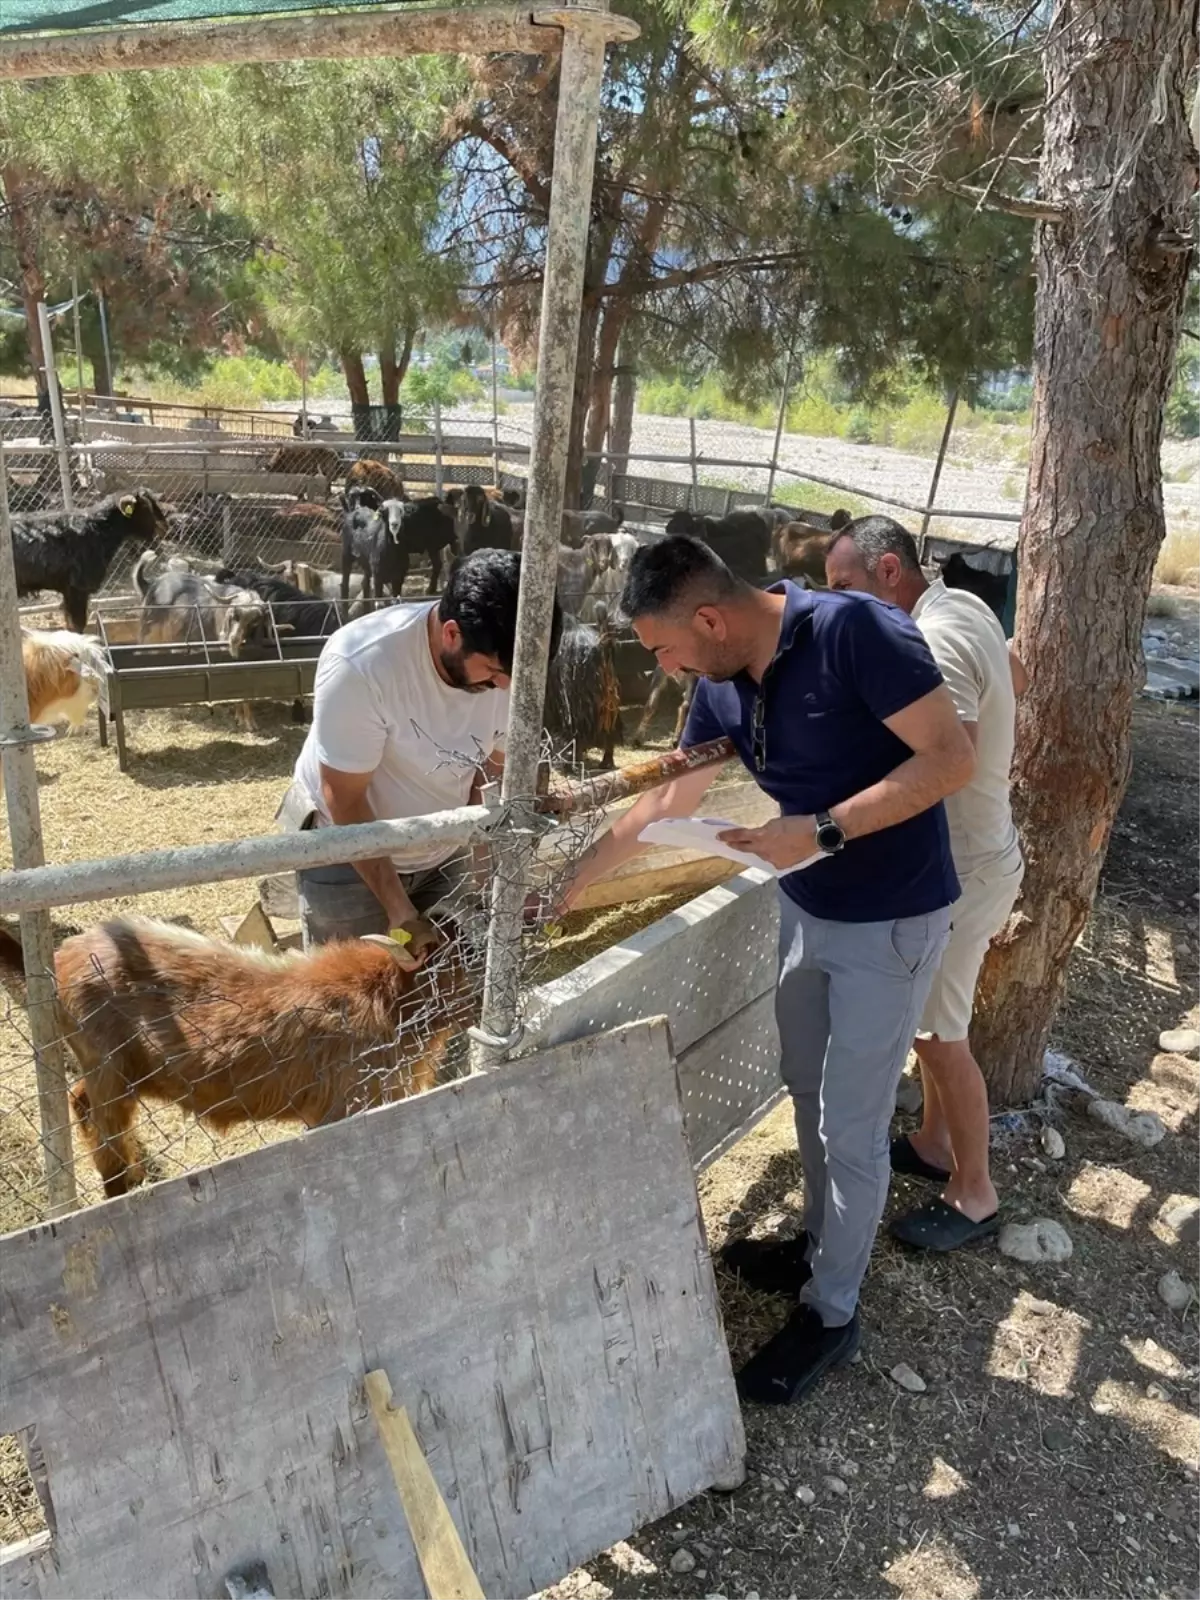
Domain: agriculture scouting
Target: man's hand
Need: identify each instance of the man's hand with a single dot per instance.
(784, 841)
(423, 939)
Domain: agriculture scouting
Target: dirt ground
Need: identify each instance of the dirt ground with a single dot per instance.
(1054, 1449)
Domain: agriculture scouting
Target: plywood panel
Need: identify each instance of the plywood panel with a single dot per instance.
(521, 1253)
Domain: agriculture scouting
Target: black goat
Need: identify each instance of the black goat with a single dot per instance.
(579, 525)
(370, 540)
(294, 611)
(742, 539)
(426, 529)
(583, 696)
(481, 523)
(990, 587)
(72, 551)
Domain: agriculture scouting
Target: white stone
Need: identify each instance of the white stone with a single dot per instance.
(904, 1375)
(805, 1495)
(1174, 1293)
(1144, 1128)
(1183, 1220)
(1053, 1143)
(1180, 1041)
(1036, 1242)
(683, 1561)
(836, 1485)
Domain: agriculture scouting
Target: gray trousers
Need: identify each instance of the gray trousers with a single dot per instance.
(849, 998)
(335, 903)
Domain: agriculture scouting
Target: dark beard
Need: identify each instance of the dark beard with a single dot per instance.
(452, 666)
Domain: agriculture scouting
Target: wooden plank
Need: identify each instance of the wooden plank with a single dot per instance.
(380, 31)
(699, 966)
(522, 1251)
(444, 1566)
(168, 484)
(655, 870)
(659, 869)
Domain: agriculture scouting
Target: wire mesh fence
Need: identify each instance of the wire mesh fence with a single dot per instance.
(182, 1049)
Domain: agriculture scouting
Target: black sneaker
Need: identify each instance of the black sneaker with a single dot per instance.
(773, 1266)
(796, 1359)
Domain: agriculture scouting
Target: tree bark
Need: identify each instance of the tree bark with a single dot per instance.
(1118, 157)
(356, 376)
(94, 352)
(389, 374)
(393, 367)
(32, 279)
(621, 429)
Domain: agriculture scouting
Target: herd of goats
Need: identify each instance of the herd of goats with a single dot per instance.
(187, 593)
(153, 1012)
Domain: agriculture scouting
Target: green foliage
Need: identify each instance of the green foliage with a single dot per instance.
(441, 381)
(1182, 420)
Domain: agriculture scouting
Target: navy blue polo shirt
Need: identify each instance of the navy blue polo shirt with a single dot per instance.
(845, 662)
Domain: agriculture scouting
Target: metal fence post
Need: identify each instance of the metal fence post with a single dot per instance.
(692, 497)
(17, 739)
(439, 472)
(780, 419)
(495, 416)
(937, 469)
(79, 359)
(56, 411)
(580, 78)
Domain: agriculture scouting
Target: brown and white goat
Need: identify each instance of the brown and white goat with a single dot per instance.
(154, 1012)
(63, 674)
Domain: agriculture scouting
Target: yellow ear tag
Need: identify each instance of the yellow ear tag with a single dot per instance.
(400, 935)
(553, 930)
(127, 508)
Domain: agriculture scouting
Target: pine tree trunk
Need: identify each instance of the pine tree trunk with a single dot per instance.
(32, 279)
(1119, 159)
(389, 372)
(620, 437)
(356, 376)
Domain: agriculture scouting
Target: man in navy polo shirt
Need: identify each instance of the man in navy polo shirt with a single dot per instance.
(835, 705)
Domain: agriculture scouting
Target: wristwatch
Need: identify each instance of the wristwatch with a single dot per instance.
(830, 838)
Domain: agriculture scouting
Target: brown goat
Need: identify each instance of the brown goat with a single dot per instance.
(367, 473)
(800, 552)
(154, 1012)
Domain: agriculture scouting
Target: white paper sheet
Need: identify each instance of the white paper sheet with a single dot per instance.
(700, 833)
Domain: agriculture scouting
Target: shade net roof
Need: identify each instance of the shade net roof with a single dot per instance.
(75, 16)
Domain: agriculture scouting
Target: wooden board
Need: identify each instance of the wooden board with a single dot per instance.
(657, 869)
(522, 1253)
(181, 481)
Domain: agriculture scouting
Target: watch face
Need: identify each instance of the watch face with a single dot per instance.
(830, 836)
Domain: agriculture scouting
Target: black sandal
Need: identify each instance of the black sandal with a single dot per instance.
(938, 1226)
(909, 1164)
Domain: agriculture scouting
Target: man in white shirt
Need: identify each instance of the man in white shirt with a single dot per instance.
(410, 710)
(879, 557)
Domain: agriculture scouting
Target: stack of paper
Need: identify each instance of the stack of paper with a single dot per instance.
(700, 833)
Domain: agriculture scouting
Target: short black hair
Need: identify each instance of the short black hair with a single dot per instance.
(664, 574)
(873, 537)
(481, 596)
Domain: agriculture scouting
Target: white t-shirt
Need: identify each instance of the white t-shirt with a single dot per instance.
(969, 646)
(379, 706)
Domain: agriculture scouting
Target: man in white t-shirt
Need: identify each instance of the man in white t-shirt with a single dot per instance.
(876, 555)
(410, 710)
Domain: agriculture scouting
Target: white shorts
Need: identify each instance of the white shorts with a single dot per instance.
(981, 911)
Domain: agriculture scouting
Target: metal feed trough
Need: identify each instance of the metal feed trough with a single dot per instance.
(154, 677)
